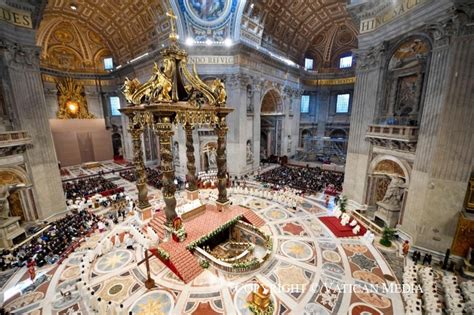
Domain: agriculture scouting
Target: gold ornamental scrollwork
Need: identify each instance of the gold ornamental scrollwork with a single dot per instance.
(194, 118)
(72, 100)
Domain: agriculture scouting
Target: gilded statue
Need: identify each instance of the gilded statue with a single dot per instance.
(72, 100)
(161, 83)
(260, 300)
(218, 88)
(156, 89)
(129, 88)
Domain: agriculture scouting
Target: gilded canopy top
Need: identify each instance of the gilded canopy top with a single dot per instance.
(173, 82)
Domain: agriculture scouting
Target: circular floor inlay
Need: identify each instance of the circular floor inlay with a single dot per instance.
(275, 214)
(71, 272)
(114, 260)
(331, 256)
(154, 302)
(115, 289)
(297, 250)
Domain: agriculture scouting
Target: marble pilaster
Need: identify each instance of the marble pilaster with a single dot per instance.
(19, 65)
(369, 76)
(445, 151)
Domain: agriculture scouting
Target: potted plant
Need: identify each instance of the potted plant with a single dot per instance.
(387, 236)
(343, 204)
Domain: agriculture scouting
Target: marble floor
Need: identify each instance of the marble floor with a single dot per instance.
(310, 272)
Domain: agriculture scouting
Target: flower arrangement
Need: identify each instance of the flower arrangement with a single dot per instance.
(269, 244)
(257, 311)
(247, 264)
(343, 204)
(204, 264)
(163, 254)
(180, 234)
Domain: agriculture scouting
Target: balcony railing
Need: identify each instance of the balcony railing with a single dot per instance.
(393, 132)
(393, 137)
(14, 138)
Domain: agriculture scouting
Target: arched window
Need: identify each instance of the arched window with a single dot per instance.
(345, 61)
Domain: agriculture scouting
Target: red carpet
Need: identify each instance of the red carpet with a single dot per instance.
(339, 230)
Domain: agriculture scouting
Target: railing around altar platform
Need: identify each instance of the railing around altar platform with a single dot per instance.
(367, 223)
(233, 265)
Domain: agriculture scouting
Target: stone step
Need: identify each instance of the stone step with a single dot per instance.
(157, 224)
(186, 264)
(254, 218)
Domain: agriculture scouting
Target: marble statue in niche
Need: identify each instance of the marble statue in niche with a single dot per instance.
(249, 152)
(176, 153)
(212, 158)
(290, 142)
(5, 192)
(394, 194)
(249, 99)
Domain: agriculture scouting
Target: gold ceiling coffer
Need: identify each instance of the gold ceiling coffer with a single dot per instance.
(175, 95)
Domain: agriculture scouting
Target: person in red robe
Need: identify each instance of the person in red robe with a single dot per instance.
(31, 269)
(405, 248)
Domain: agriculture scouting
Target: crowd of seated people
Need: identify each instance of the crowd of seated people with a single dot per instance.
(308, 179)
(87, 186)
(51, 244)
(153, 176)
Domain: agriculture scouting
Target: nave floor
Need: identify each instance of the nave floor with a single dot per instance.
(306, 256)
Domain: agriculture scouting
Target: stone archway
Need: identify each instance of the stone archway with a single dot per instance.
(272, 102)
(21, 201)
(117, 145)
(338, 133)
(387, 185)
(271, 123)
(305, 134)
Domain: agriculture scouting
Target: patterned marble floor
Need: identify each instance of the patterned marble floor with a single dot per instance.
(310, 272)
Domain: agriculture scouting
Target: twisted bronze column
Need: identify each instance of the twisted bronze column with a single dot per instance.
(191, 165)
(221, 130)
(136, 133)
(165, 134)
